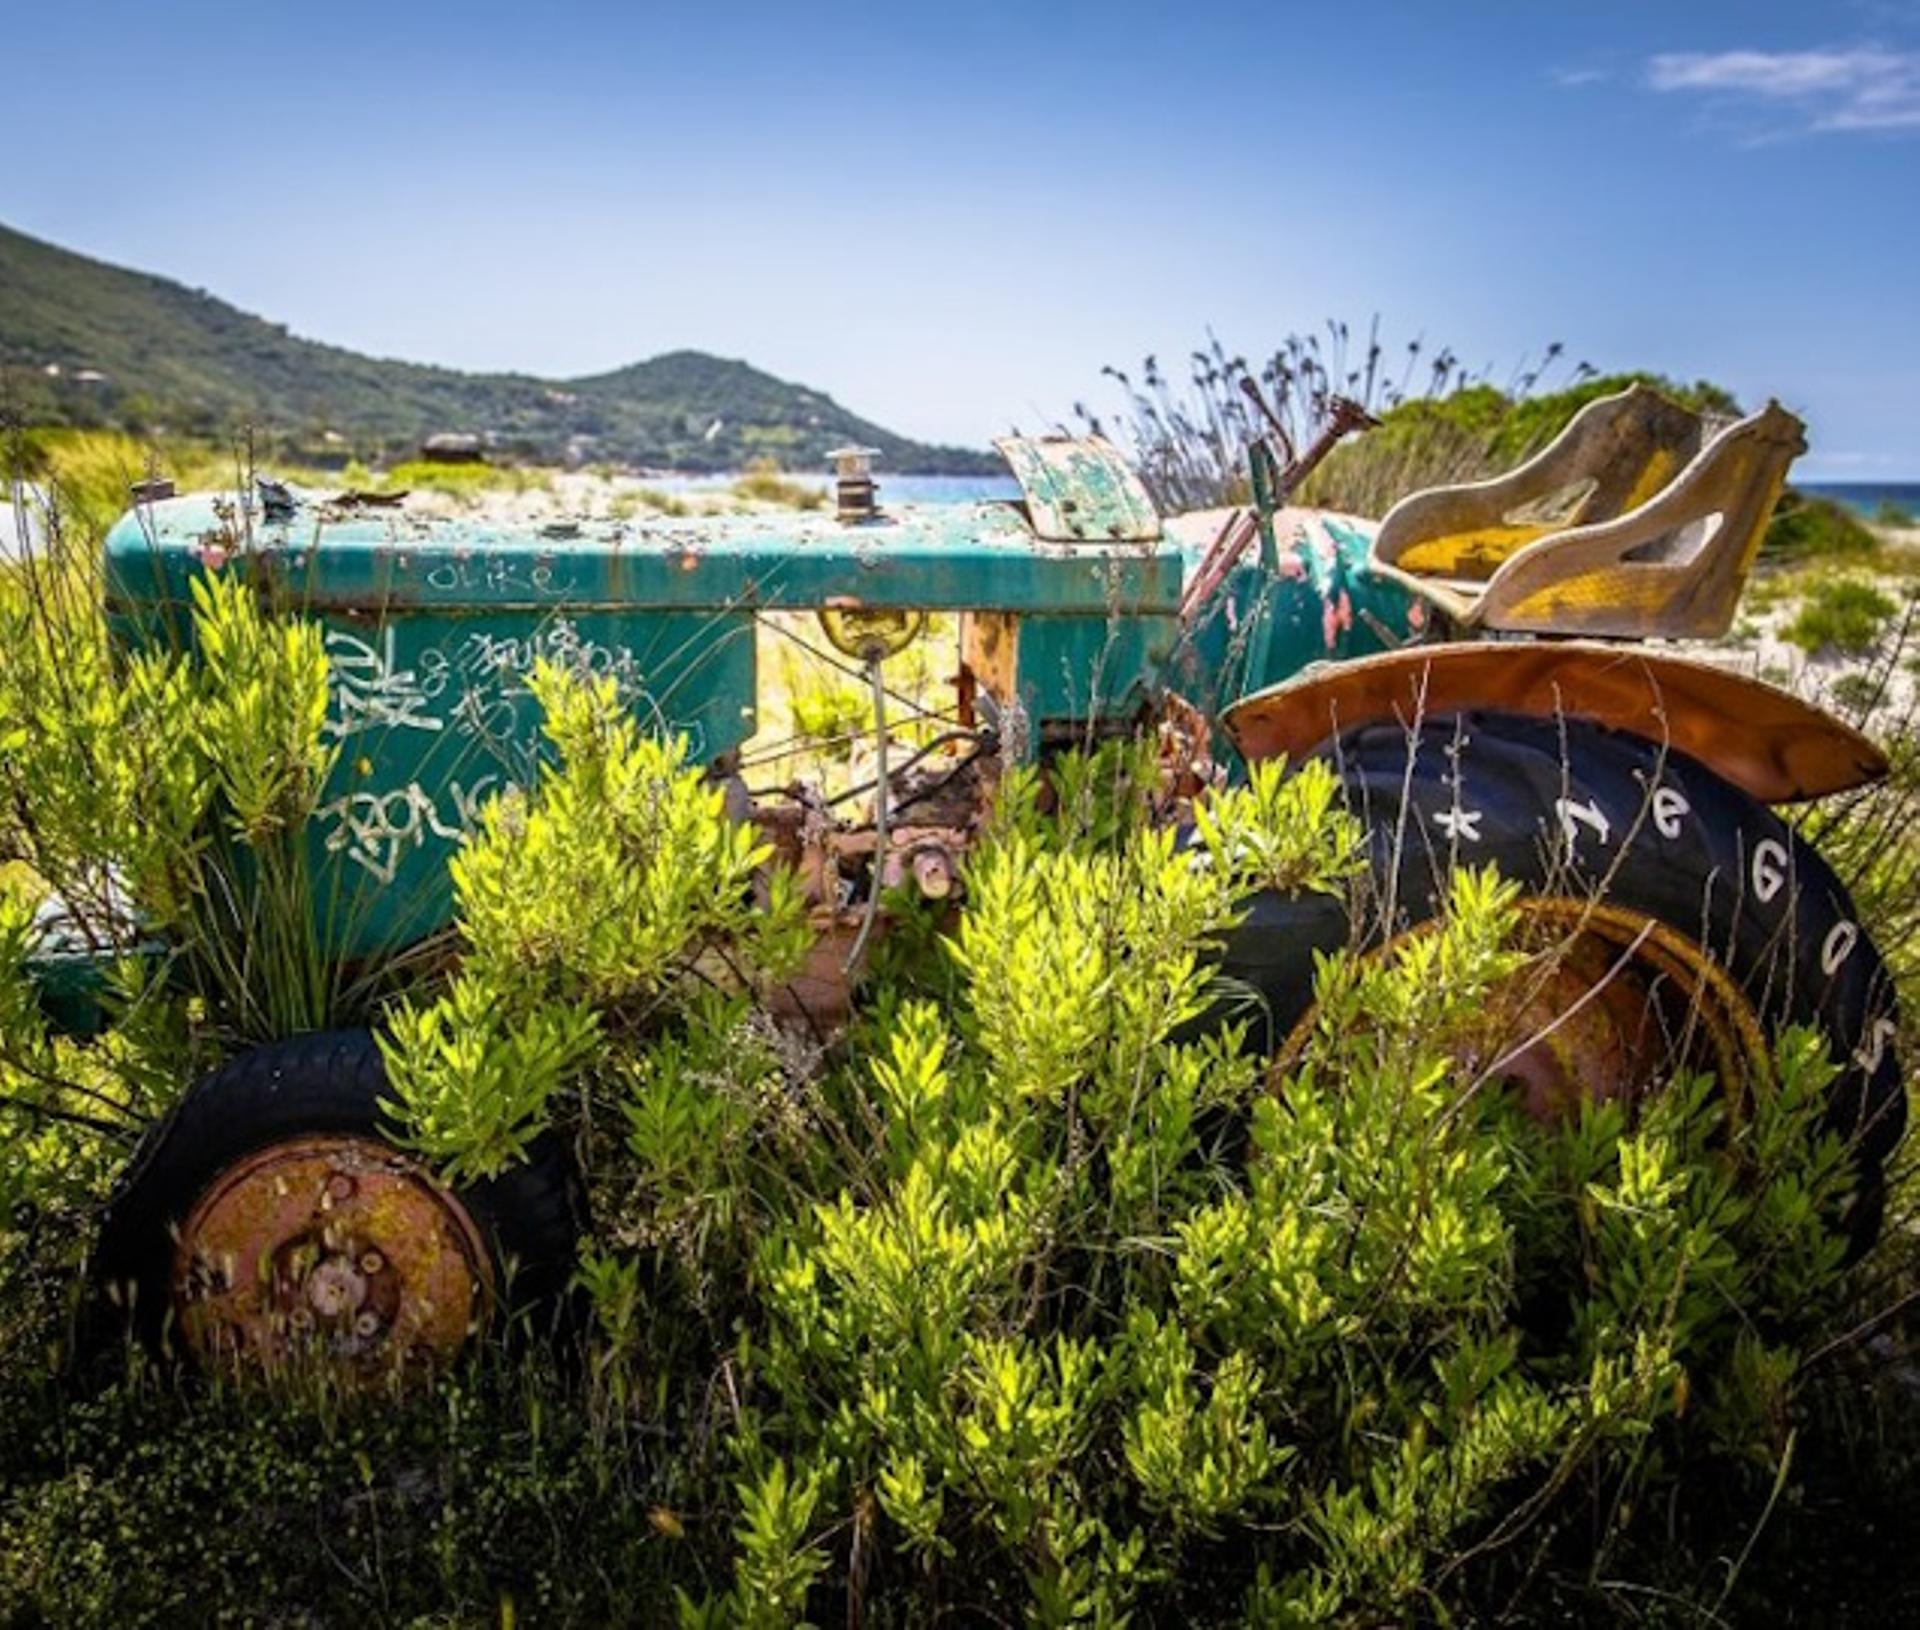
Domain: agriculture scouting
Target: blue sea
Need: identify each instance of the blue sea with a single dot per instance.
(1864, 497)
(900, 489)
(1868, 498)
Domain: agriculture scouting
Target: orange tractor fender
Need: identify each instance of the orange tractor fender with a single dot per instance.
(1766, 741)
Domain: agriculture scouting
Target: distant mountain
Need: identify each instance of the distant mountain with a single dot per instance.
(85, 343)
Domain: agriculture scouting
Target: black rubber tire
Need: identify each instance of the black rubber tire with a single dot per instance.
(1568, 807)
(331, 1081)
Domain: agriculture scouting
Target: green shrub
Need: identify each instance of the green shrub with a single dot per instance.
(172, 792)
(827, 713)
(629, 503)
(466, 482)
(998, 1293)
(1841, 615)
(1473, 432)
(1806, 528)
(762, 483)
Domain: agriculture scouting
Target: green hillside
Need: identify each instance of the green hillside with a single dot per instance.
(85, 343)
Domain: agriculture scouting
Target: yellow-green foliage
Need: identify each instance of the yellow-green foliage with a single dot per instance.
(89, 473)
(469, 482)
(1038, 1299)
(178, 787)
(159, 802)
(1841, 614)
(608, 881)
(999, 1275)
(471, 1080)
(763, 483)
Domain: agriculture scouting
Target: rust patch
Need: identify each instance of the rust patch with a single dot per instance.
(989, 647)
(334, 1248)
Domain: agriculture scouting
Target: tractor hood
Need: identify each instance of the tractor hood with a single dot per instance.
(331, 554)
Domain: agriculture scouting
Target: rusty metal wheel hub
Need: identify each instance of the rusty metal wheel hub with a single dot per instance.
(1610, 1002)
(336, 1248)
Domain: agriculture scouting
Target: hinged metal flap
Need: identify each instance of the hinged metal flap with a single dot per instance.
(1080, 490)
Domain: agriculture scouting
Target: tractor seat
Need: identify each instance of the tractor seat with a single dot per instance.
(1638, 521)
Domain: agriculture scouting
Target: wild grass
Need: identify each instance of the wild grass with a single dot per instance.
(1807, 528)
(762, 483)
(633, 502)
(92, 471)
(1843, 615)
(1441, 421)
(465, 482)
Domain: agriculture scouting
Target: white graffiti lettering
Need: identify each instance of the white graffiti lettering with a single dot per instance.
(1769, 869)
(370, 690)
(1838, 946)
(475, 687)
(1574, 816)
(378, 830)
(1870, 1052)
(1668, 807)
(1461, 825)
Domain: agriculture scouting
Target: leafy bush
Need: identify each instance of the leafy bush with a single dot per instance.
(1841, 614)
(1040, 1301)
(172, 793)
(466, 482)
(1806, 528)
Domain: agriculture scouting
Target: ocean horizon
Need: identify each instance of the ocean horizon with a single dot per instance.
(1865, 498)
(1868, 498)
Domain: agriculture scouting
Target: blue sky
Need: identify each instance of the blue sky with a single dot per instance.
(950, 217)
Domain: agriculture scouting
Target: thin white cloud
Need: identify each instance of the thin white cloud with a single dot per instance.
(1859, 88)
(1573, 78)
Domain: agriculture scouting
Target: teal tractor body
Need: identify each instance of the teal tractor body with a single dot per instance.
(1069, 602)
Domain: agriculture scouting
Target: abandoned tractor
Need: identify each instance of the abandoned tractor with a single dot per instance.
(1492, 671)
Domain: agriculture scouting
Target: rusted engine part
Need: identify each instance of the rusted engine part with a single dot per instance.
(1184, 735)
(845, 866)
(937, 807)
(939, 801)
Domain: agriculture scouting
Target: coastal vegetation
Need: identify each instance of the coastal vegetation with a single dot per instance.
(1841, 614)
(1031, 1298)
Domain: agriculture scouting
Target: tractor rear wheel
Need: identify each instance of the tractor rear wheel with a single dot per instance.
(269, 1222)
(1689, 924)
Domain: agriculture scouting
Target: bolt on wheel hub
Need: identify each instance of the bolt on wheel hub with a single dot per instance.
(334, 1247)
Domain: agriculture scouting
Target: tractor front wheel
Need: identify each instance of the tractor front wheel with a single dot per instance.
(270, 1222)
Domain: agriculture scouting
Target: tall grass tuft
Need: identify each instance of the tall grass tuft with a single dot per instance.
(1440, 420)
